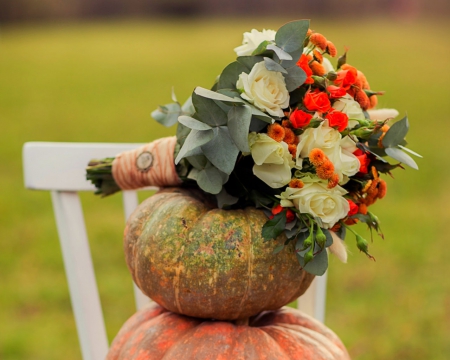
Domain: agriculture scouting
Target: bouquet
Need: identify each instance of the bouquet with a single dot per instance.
(284, 130)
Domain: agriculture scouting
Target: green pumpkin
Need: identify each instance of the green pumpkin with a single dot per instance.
(195, 259)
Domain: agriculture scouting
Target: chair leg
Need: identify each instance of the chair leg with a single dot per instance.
(80, 275)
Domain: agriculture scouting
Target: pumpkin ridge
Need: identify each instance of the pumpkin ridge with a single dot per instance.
(249, 262)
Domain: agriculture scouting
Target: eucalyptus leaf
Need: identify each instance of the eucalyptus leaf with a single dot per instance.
(217, 96)
(274, 227)
(290, 36)
(230, 75)
(210, 180)
(182, 133)
(199, 162)
(174, 97)
(225, 199)
(188, 108)
(399, 155)
(239, 118)
(342, 232)
(193, 123)
(221, 150)
(273, 66)
(167, 115)
(294, 78)
(208, 111)
(409, 150)
(261, 115)
(396, 134)
(281, 54)
(318, 265)
(195, 139)
(232, 93)
(293, 62)
(249, 61)
(278, 249)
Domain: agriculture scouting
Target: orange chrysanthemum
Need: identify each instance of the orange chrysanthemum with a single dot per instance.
(292, 148)
(374, 172)
(309, 32)
(331, 49)
(276, 132)
(382, 189)
(317, 68)
(319, 40)
(286, 124)
(373, 101)
(351, 222)
(362, 98)
(333, 181)
(317, 157)
(290, 137)
(296, 184)
(326, 170)
(318, 56)
(362, 78)
(385, 128)
(362, 209)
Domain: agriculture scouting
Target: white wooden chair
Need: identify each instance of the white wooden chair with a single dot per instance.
(60, 169)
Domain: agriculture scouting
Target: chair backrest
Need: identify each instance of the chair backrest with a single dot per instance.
(60, 169)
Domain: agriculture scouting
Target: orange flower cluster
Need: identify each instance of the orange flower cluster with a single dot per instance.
(373, 190)
(284, 133)
(324, 167)
(356, 84)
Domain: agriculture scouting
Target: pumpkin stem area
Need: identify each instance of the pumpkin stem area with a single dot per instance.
(242, 322)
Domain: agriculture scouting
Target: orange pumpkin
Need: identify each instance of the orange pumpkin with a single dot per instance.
(195, 259)
(154, 333)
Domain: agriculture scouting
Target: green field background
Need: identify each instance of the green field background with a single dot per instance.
(99, 81)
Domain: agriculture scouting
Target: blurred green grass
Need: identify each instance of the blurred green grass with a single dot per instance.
(100, 81)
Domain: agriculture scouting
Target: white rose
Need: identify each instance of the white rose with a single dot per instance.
(273, 161)
(323, 137)
(345, 163)
(317, 200)
(349, 106)
(252, 40)
(265, 89)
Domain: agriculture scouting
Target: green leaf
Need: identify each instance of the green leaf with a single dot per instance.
(281, 54)
(167, 115)
(193, 123)
(274, 227)
(199, 162)
(294, 78)
(318, 265)
(225, 199)
(261, 48)
(299, 245)
(295, 57)
(278, 249)
(210, 179)
(208, 111)
(188, 108)
(409, 150)
(273, 66)
(249, 62)
(239, 118)
(261, 115)
(195, 139)
(230, 75)
(221, 150)
(329, 240)
(396, 134)
(217, 96)
(290, 36)
(399, 155)
(174, 97)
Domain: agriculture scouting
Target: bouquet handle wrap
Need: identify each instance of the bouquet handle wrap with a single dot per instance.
(150, 165)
